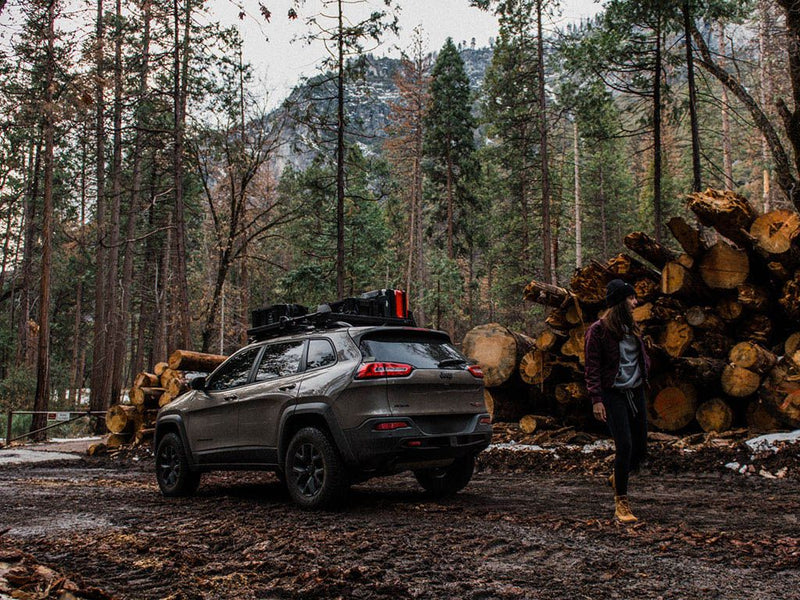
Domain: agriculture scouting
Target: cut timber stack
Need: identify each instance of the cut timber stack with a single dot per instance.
(133, 423)
(720, 320)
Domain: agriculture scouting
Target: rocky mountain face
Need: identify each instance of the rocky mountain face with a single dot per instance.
(368, 101)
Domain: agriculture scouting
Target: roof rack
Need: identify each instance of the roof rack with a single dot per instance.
(380, 307)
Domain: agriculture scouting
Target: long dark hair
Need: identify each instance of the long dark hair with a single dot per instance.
(619, 320)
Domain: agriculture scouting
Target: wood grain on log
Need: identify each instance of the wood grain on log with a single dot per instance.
(726, 211)
(780, 393)
(687, 236)
(546, 340)
(188, 360)
(535, 367)
(702, 371)
(545, 294)
(589, 283)
(497, 350)
(646, 289)
(573, 392)
(676, 337)
(724, 267)
(145, 379)
(752, 297)
(677, 280)
(775, 236)
(729, 309)
(714, 415)
(739, 382)
(649, 249)
(753, 357)
(703, 317)
(122, 418)
(673, 405)
(160, 368)
(574, 346)
(145, 396)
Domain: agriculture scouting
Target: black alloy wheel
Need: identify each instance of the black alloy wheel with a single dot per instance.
(174, 476)
(315, 475)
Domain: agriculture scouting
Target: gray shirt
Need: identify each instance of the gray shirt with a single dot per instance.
(630, 372)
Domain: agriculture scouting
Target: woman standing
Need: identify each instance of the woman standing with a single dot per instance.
(616, 373)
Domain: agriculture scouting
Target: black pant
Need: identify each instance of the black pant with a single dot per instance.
(626, 415)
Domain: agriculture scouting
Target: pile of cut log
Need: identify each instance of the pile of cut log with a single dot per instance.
(720, 318)
(133, 423)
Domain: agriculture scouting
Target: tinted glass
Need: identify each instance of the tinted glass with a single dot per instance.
(320, 353)
(418, 351)
(280, 360)
(235, 371)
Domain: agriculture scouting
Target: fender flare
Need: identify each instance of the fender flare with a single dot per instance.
(318, 409)
(177, 421)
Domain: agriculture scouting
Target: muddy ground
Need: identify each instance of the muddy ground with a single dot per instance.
(530, 525)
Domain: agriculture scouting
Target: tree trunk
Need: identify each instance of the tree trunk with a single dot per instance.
(547, 236)
(695, 133)
(727, 161)
(657, 135)
(578, 212)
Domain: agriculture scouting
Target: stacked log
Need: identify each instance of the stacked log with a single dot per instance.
(719, 321)
(133, 423)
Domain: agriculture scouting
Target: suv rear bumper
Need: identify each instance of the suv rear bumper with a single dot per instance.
(410, 447)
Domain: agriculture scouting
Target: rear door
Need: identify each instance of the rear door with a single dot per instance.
(439, 383)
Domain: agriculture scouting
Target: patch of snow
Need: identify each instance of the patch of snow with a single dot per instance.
(766, 442)
(597, 446)
(17, 456)
(520, 447)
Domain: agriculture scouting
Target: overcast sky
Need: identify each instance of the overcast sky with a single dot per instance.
(280, 63)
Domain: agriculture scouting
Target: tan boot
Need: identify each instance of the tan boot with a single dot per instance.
(623, 510)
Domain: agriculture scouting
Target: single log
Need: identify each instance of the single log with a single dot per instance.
(677, 280)
(673, 405)
(790, 297)
(165, 399)
(753, 357)
(702, 371)
(628, 268)
(792, 343)
(97, 449)
(759, 419)
(530, 423)
(574, 346)
(686, 260)
(729, 309)
(646, 289)
(546, 340)
(168, 375)
(688, 237)
(187, 360)
(145, 396)
(714, 415)
(160, 368)
(177, 386)
(702, 317)
(145, 379)
(571, 393)
(497, 350)
(724, 267)
(557, 319)
(545, 294)
(780, 393)
(756, 328)
(677, 337)
(644, 313)
(752, 297)
(589, 283)
(114, 441)
(535, 367)
(739, 382)
(122, 418)
(143, 436)
(775, 235)
(649, 249)
(574, 315)
(726, 211)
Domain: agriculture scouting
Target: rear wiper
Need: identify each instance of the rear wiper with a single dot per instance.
(451, 362)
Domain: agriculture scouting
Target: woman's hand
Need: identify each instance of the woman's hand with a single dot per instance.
(599, 410)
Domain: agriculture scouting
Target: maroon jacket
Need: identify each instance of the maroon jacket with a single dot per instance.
(602, 360)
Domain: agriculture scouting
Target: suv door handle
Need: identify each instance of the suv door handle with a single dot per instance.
(286, 388)
(229, 398)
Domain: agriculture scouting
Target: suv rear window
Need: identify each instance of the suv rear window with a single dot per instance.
(421, 351)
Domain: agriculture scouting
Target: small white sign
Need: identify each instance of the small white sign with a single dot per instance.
(58, 416)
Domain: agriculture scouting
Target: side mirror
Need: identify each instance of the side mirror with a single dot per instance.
(198, 383)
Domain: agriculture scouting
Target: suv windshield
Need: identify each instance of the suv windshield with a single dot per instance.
(419, 351)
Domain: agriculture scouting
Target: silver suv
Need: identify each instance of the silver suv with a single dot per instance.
(325, 407)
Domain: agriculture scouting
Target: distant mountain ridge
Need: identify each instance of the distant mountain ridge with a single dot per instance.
(368, 103)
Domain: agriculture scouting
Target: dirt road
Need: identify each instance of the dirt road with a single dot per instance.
(515, 532)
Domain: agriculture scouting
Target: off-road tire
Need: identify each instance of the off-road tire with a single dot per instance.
(316, 477)
(446, 481)
(174, 476)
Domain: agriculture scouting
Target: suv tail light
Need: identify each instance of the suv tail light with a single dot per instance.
(391, 426)
(476, 371)
(372, 370)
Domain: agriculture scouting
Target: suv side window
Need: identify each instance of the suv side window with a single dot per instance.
(320, 354)
(235, 372)
(280, 360)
